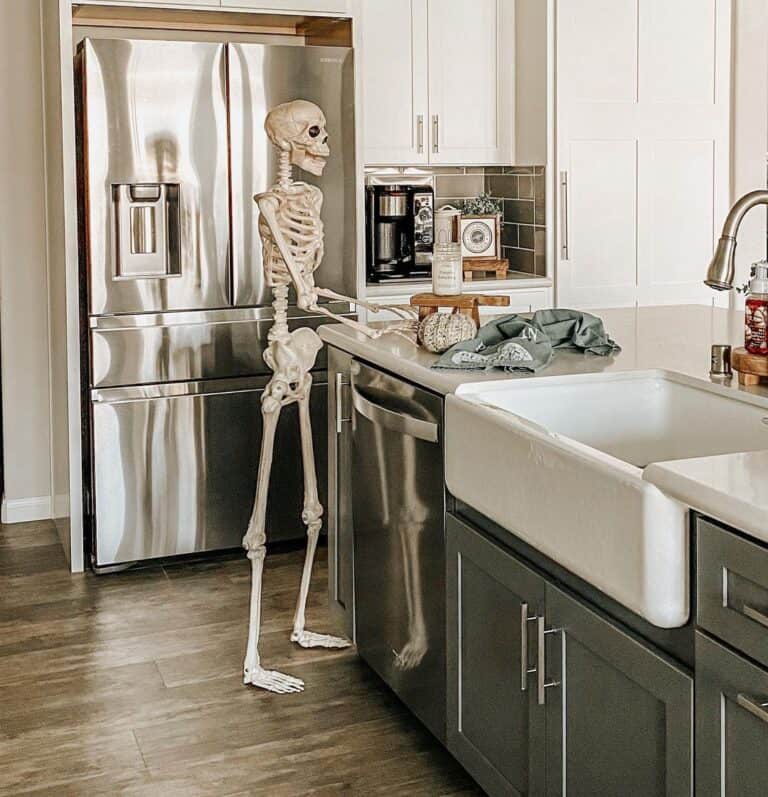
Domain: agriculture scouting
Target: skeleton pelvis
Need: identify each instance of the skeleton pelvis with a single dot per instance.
(293, 356)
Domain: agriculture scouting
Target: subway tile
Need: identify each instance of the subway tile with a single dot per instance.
(509, 235)
(519, 211)
(525, 186)
(466, 185)
(539, 190)
(540, 251)
(521, 260)
(525, 237)
(502, 185)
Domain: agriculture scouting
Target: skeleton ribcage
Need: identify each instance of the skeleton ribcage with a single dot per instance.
(302, 228)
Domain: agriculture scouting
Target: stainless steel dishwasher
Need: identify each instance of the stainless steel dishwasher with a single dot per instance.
(398, 500)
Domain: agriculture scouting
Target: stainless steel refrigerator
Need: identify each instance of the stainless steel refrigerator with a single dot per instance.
(175, 311)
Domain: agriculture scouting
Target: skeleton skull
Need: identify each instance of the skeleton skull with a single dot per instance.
(298, 127)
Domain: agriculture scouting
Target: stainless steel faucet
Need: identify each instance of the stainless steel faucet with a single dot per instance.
(722, 267)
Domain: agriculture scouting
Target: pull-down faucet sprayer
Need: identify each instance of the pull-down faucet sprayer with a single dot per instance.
(722, 267)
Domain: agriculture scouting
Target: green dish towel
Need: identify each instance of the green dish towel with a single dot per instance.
(515, 343)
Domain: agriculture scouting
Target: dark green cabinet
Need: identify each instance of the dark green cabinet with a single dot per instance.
(548, 697)
(494, 726)
(731, 723)
(619, 715)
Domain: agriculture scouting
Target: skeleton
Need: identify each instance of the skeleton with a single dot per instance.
(292, 244)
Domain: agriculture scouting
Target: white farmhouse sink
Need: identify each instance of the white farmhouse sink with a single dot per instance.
(559, 462)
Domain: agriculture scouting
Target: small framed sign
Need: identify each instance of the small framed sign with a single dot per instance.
(481, 236)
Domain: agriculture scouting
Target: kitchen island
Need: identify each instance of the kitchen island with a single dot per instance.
(527, 653)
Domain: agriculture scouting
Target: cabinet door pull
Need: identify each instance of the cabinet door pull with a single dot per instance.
(541, 660)
(758, 709)
(754, 614)
(420, 133)
(339, 405)
(564, 215)
(435, 133)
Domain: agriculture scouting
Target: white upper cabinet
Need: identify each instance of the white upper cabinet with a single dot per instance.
(438, 81)
(643, 148)
(471, 80)
(394, 77)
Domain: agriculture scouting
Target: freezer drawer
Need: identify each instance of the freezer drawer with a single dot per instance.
(398, 502)
(175, 347)
(174, 468)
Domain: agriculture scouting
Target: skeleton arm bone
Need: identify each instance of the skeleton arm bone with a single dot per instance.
(407, 313)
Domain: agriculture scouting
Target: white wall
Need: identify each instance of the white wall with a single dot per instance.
(750, 124)
(23, 281)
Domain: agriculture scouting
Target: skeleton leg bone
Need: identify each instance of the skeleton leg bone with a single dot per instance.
(254, 543)
(312, 517)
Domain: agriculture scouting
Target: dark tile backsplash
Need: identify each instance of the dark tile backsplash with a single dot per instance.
(523, 234)
(521, 190)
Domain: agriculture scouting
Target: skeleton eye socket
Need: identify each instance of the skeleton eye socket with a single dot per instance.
(314, 131)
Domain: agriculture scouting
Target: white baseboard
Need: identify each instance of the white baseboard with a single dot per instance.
(21, 510)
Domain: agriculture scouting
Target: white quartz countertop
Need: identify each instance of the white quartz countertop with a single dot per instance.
(730, 488)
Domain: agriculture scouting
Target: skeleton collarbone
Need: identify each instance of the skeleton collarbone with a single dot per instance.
(297, 208)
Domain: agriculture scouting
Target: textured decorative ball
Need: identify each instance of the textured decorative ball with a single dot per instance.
(440, 331)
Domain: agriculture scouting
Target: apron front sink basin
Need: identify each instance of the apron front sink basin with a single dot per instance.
(558, 461)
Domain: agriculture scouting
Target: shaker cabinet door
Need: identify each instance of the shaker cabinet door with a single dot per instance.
(394, 75)
(619, 715)
(495, 727)
(731, 723)
(471, 81)
(642, 128)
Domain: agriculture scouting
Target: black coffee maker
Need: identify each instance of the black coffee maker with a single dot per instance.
(399, 231)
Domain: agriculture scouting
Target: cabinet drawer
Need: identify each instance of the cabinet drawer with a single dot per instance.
(732, 588)
(731, 723)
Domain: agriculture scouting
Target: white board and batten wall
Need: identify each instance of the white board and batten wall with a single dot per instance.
(643, 148)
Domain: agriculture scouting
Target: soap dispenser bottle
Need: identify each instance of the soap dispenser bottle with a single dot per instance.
(756, 318)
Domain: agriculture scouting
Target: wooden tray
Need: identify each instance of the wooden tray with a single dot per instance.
(752, 368)
(463, 303)
(472, 265)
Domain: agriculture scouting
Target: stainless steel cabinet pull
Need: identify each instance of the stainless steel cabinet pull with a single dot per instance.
(339, 383)
(754, 614)
(541, 660)
(420, 133)
(394, 421)
(524, 669)
(564, 215)
(758, 709)
(435, 133)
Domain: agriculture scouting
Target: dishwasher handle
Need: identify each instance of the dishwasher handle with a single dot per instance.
(395, 421)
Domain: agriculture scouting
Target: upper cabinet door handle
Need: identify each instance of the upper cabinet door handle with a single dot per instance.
(420, 133)
(435, 133)
(564, 216)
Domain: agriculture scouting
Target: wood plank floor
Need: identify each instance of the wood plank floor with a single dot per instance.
(130, 684)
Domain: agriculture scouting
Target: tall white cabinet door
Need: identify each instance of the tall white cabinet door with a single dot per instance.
(643, 93)
(471, 81)
(394, 76)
